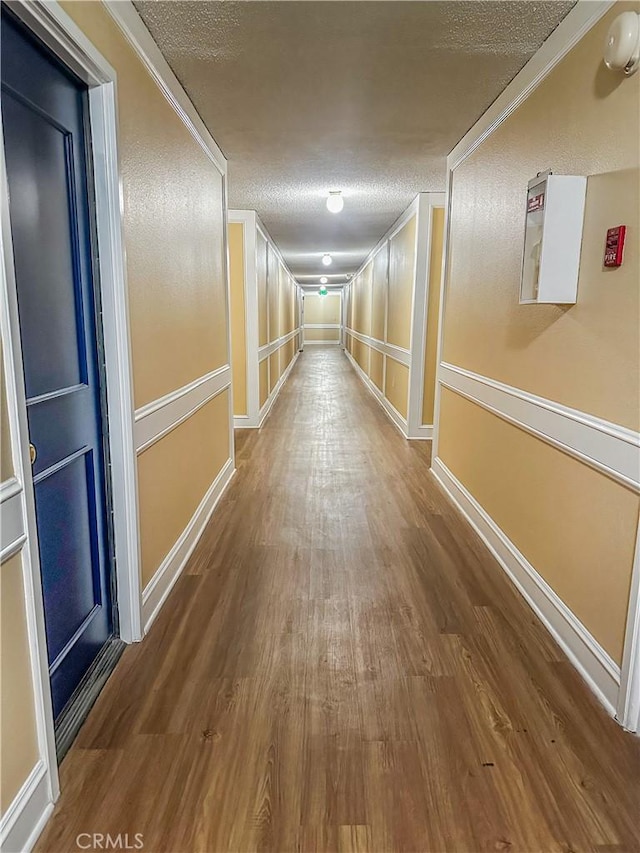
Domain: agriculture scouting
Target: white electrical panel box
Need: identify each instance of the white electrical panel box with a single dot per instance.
(553, 239)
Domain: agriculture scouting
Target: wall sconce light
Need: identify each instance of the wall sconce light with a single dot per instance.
(622, 45)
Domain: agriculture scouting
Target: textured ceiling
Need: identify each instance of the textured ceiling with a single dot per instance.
(366, 97)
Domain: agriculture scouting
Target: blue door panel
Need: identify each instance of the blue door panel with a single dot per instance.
(63, 497)
(44, 113)
(49, 301)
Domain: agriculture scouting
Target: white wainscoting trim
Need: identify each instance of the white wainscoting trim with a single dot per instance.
(157, 590)
(264, 411)
(609, 448)
(25, 818)
(126, 16)
(393, 414)
(322, 326)
(13, 532)
(595, 665)
(395, 352)
(159, 417)
(268, 349)
(423, 432)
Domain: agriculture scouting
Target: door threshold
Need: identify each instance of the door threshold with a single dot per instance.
(77, 708)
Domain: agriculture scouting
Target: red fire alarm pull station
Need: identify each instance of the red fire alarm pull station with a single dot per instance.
(614, 246)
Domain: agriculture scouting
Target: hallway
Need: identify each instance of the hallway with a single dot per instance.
(342, 666)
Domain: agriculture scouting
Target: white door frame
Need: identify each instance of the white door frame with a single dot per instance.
(56, 29)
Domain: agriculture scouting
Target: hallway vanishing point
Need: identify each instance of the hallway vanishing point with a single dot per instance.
(343, 666)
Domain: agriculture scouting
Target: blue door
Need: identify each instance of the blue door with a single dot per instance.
(44, 115)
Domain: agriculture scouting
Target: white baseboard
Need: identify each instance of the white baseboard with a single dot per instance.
(322, 343)
(393, 414)
(242, 422)
(159, 587)
(593, 663)
(27, 815)
(264, 411)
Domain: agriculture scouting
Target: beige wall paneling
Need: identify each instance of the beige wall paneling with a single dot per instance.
(271, 295)
(239, 344)
(261, 270)
(18, 733)
(173, 475)
(402, 270)
(433, 313)
(563, 381)
(379, 288)
(322, 318)
(396, 386)
(390, 313)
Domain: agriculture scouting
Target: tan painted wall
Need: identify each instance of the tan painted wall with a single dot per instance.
(379, 293)
(168, 497)
(238, 317)
(322, 309)
(402, 259)
(376, 368)
(576, 527)
(273, 294)
(397, 385)
(582, 120)
(261, 271)
(328, 335)
(431, 346)
(18, 737)
(380, 305)
(264, 381)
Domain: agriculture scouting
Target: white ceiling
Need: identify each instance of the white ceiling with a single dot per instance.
(366, 97)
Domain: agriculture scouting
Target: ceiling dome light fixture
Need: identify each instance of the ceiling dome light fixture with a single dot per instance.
(335, 202)
(324, 279)
(327, 260)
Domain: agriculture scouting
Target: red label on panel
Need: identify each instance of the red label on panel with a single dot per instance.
(614, 246)
(536, 202)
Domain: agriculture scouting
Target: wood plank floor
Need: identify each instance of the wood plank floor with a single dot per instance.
(344, 667)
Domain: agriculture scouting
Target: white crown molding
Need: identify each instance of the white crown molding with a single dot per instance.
(126, 17)
(611, 449)
(582, 17)
(154, 420)
(593, 663)
(157, 590)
